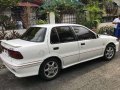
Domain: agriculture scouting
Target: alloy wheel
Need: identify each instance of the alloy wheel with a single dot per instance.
(109, 52)
(51, 69)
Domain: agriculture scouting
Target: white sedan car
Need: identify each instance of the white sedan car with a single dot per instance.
(46, 49)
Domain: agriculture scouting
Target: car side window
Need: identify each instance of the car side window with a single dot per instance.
(83, 33)
(65, 34)
(54, 36)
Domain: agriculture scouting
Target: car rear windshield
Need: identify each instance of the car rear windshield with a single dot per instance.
(34, 34)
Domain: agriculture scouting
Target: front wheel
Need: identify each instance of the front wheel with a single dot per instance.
(50, 69)
(109, 52)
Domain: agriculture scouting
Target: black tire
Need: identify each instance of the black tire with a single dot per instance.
(109, 52)
(50, 66)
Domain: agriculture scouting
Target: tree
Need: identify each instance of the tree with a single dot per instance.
(7, 4)
(4, 4)
(56, 5)
(95, 10)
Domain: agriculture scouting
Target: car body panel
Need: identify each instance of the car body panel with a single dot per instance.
(70, 53)
(92, 48)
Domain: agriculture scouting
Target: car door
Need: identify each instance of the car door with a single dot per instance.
(90, 45)
(63, 43)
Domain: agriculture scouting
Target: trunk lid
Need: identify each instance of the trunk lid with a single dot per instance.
(16, 43)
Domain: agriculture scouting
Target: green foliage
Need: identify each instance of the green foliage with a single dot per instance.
(94, 14)
(4, 4)
(56, 5)
(3, 34)
(41, 22)
(62, 6)
(91, 24)
(109, 30)
(3, 18)
(6, 22)
(8, 3)
(93, 10)
(10, 26)
(27, 0)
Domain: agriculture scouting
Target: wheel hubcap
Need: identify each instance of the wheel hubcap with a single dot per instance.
(51, 69)
(109, 52)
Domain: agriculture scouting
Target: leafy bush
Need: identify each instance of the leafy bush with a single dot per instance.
(56, 5)
(10, 26)
(12, 35)
(3, 34)
(109, 30)
(6, 22)
(91, 24)
(41, 22)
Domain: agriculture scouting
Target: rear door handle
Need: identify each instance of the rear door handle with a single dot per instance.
(55, 48)
(82, 43)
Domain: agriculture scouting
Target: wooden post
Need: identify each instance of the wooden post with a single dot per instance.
(28, 15)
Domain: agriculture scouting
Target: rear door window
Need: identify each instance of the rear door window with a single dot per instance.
(65, 34)
(62, 34)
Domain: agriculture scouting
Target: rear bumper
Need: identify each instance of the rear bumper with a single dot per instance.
(22, 70)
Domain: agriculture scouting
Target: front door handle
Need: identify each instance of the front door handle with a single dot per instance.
(55, 48)
(82, 43)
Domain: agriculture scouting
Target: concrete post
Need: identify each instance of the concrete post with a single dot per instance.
(52, 18)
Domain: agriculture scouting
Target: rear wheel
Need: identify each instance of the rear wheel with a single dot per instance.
(109, 52)
(50, 69)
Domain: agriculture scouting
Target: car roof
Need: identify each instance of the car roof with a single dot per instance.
(54, 25)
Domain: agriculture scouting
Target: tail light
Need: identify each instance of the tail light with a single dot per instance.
(15, 54)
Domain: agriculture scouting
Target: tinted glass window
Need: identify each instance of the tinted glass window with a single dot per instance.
(54, 37)
(83, 33)
(65, 34)
(34, 34)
